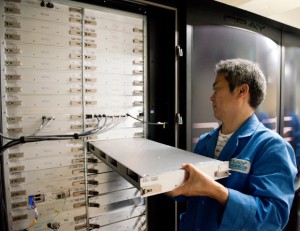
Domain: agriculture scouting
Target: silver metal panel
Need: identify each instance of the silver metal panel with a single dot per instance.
(151, 166)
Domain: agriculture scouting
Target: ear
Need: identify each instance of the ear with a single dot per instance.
(244, 90)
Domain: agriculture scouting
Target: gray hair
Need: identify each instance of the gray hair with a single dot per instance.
(241, 71)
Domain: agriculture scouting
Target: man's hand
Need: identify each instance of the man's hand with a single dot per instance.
(197, 183)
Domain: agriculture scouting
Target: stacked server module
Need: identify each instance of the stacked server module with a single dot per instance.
(67, 69)
(113, 63)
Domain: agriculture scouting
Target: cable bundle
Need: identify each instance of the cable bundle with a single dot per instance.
(98, 129)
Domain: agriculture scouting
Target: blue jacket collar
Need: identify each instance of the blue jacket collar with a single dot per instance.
(246, 130)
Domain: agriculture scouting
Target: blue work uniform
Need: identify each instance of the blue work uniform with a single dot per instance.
(261, 184)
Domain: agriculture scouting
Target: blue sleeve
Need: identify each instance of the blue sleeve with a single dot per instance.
(267, 204)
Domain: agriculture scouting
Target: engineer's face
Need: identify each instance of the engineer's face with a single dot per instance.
(224, 102)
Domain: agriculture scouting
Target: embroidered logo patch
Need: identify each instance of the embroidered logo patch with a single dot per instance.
(239, 165)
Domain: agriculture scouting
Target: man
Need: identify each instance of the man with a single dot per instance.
(259, 192)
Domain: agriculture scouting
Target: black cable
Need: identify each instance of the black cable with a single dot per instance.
(30, 139)
(97, 129)
(9, 145)
(8, 138)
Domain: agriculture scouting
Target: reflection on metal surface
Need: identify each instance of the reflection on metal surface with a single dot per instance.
(209, 125)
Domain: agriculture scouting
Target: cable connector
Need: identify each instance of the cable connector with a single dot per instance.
(89, 116)
(50, 118)
(50, 5)
(54, 225)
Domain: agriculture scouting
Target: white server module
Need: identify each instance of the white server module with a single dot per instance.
(153, 167)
